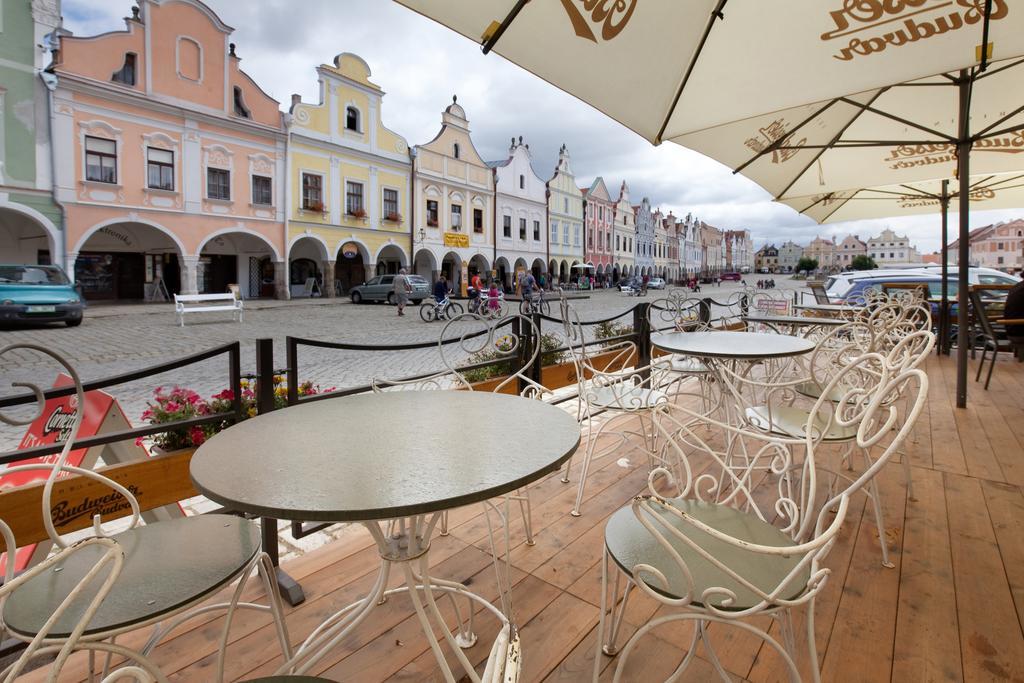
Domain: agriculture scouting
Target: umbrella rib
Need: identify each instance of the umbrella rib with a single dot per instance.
(843, 144)
(716, 14)
(835, 138)
(493, 39)
(981, 133)
(899, 119)
(1000, 69)
(777, 144)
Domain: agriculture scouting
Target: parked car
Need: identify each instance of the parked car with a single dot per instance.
(839, 285)
(30, 293)
(735, 277)
(656, 283)
(382, 288)
(629, 284)
(934, 283)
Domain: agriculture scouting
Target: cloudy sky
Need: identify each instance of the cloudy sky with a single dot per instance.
(420, 65)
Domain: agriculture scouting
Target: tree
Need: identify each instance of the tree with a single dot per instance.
(807, 264)
(863, 262)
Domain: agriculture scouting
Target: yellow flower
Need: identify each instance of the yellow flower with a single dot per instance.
(252, 412)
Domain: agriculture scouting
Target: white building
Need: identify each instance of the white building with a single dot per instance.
(644, 244)
(520, 201)
(565, 215)
(691, 254)
(888, 248)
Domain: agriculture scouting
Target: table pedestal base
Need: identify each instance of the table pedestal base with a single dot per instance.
(404, 544)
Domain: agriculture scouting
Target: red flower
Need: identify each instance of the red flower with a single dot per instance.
(226, 395)
(197, 436)
(172, 406)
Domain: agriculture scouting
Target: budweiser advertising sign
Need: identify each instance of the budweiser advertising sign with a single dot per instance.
(53, 426)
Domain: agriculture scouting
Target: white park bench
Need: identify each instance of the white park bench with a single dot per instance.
(204, 303)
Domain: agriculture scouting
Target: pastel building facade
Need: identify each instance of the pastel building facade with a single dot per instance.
(1000, 246)
(598, 220)
(170, 160)
(349, 184)
(643, 219)
(565, 218)
(624, 230)
(850, 248)
(690, 246)
(713, 252)
(31, 224)
(789, 255)
(766, 259)
(520, 220)
(888, 248)
(822, 250)
(663, 227)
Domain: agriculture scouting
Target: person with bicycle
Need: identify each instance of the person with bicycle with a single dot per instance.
(476, 290)
(441, 292)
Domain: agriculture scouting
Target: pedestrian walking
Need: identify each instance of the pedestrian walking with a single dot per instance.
(401, 288)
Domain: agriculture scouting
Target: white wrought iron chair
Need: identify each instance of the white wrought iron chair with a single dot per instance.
(162, 570)
(744, 540)
(617, 389)
(679, 313)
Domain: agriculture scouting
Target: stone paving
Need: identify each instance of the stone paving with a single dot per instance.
(120, 338)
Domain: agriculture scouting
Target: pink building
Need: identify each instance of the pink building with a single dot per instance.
(170, 160)
(598, 216)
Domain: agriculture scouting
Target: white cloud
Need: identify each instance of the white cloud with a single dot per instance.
(421, 65)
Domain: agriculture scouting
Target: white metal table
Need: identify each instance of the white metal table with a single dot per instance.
(829, 309)
(729, 345)
(392, 462)
(792, 324)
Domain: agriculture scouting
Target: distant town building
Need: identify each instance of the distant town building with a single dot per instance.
(822, 250)
(790, 254)
(767, 259)
(624, 224)
(454, 198)
(664, 237)
(850, 248)
(889, 248)
(691, 254)
(739, 251)
(565, 215)
(521, 214)
(1000, 245)
(644, 246)
(598, 205)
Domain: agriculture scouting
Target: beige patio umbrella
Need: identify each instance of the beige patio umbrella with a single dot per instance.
(706, 74)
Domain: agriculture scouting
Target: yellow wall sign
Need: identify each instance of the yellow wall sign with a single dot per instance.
(456, 239)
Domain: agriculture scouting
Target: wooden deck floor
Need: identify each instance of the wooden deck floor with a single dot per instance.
(952, 609)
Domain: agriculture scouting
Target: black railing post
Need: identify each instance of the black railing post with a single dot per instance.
(291, 591)
(641, 328)
(292, 371)
(235, 377)
(521, 333)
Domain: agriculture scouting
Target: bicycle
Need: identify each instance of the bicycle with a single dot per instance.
(437, 310)
(535, 303)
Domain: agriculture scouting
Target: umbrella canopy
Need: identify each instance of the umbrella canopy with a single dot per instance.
(690, 65)
(893, 135)
(1003, 191)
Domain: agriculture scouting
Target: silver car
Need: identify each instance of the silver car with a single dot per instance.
(382, 288)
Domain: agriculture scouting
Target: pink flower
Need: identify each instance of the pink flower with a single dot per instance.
(203, 409)
(138, 442)
(172, 406)
(147, 414)
(193, 398)
(197, 436)
(159, 390)
(226, 395)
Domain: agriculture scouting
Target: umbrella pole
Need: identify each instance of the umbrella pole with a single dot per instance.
(963, 335)
(944, 306)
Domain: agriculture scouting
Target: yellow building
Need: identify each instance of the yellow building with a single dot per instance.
(348, 184)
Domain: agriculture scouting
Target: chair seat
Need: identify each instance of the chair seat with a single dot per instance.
(814, 390)
(791, 421)
(623, 397)
(167, 566)
(630, 543)
(688, 364)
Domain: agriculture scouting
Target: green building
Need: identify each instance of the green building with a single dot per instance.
(30, 221)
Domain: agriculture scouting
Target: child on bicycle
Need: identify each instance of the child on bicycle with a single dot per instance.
(492, 296)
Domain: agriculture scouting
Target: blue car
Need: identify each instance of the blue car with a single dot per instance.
(934, 283)
(38, 294)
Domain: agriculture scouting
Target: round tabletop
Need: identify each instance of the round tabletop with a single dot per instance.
(741, 345)
(835, 308)
(380, 456)
(794, 320)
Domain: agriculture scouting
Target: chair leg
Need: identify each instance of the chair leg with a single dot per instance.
(444, 523)
(991, 367)
(812, 645)
(908, 475)
(981, 365)
(526, 509)
(876, 501)
(592, 438)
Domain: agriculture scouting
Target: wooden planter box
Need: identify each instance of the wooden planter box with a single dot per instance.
(555, 376)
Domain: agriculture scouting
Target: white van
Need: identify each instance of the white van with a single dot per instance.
(839, 284)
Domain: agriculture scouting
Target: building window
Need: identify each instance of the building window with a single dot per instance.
(159, 169)
(522, 228)
(565, 234)
(575, 236)
(600, 213)
(240, 108)
(590, 240)
(478, 220)
(506, 226)
(618, 243)
(352, 119)
(312, 192)
(100, 160)
(554, 232)
(536, 231)
(354, 199)
(456, 217)
(218, 183)
(391, 204)
(262, 190)
(999, 246)
(608, 240)
(522, 181)
(565, 200)
(455, 150)
(431, 213)
(126, 74)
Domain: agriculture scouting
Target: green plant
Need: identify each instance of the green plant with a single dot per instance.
(609, 329)
(807, 264)
(863, 262)
(549, 355)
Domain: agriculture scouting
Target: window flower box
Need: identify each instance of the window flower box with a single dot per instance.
(431, 223)
(394, 217)
(357, 213)
(316, 207)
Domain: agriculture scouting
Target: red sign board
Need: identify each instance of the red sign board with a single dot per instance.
(51, 427)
